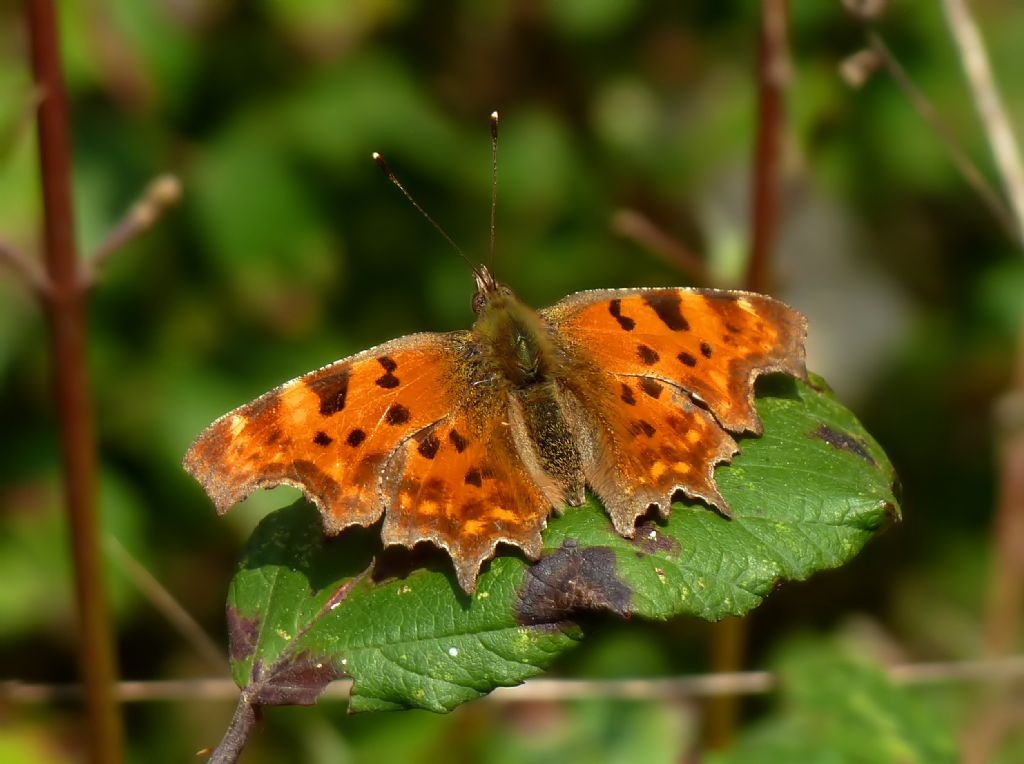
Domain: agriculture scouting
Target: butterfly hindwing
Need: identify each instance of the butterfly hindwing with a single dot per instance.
(462, 485)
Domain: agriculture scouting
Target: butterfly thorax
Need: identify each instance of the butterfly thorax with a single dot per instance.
(523, 358)
(515, 338)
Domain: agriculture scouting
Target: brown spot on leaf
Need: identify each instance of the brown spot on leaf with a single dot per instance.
(331, 387)
(243, 634)
(650, 539)
(570, 581)
(292, 681)
(844, 442)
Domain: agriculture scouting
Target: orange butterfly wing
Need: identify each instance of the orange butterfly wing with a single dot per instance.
(462, 485)
(386, 429)
(671, 372)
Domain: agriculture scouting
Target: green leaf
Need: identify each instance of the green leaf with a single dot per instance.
(839, 706)
(304, 609)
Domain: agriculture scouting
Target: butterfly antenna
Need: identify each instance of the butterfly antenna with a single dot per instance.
(398, 184)
(494, 179)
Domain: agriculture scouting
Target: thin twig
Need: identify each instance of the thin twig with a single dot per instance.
(27, 268)
(989, 104)
(68, 331)
(1003, 670)
(957, 154)
(639, 228)
(1006, 588)
(161, 193)
(168, 606)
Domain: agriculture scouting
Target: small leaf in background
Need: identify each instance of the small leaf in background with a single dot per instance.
(304, 609)
(838, 706)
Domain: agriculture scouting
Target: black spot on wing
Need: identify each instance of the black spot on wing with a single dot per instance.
(648, 355)
(331, 387)
(388, 380)
(627, 395)
(473, 477)
(428, 446)
(665, 305)
(686, 359)
(458, 441)
(323, 439)
(355, 437)
(705, 349)
(396, 414)
(651, 387)
(642, 425)
(615, 308)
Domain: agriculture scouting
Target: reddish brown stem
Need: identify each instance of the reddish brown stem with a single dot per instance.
(729, 636)
(238, 733)
(66, 312)
(772, 73)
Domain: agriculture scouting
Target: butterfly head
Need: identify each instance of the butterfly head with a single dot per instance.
(489, 293)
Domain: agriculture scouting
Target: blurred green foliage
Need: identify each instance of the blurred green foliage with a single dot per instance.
(290, 250)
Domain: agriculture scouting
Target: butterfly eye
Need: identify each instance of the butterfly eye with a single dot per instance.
(479, 301)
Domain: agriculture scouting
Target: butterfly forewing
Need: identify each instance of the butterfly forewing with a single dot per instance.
(330, 432)
(708, 342)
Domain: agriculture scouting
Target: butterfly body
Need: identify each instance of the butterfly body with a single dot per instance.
(470, 439)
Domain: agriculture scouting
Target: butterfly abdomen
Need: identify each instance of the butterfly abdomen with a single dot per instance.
(545, 433)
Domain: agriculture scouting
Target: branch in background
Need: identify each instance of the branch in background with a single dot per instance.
(27, 269)
(162, 193)
(1006, 588)
(857, 69)
(66, 312)
(165, 602)
(989, 104)
(1004, 670)
(637, 227)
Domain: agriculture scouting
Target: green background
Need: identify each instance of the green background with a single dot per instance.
(290, 250)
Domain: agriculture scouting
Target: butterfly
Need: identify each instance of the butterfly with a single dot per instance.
(473, 438)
